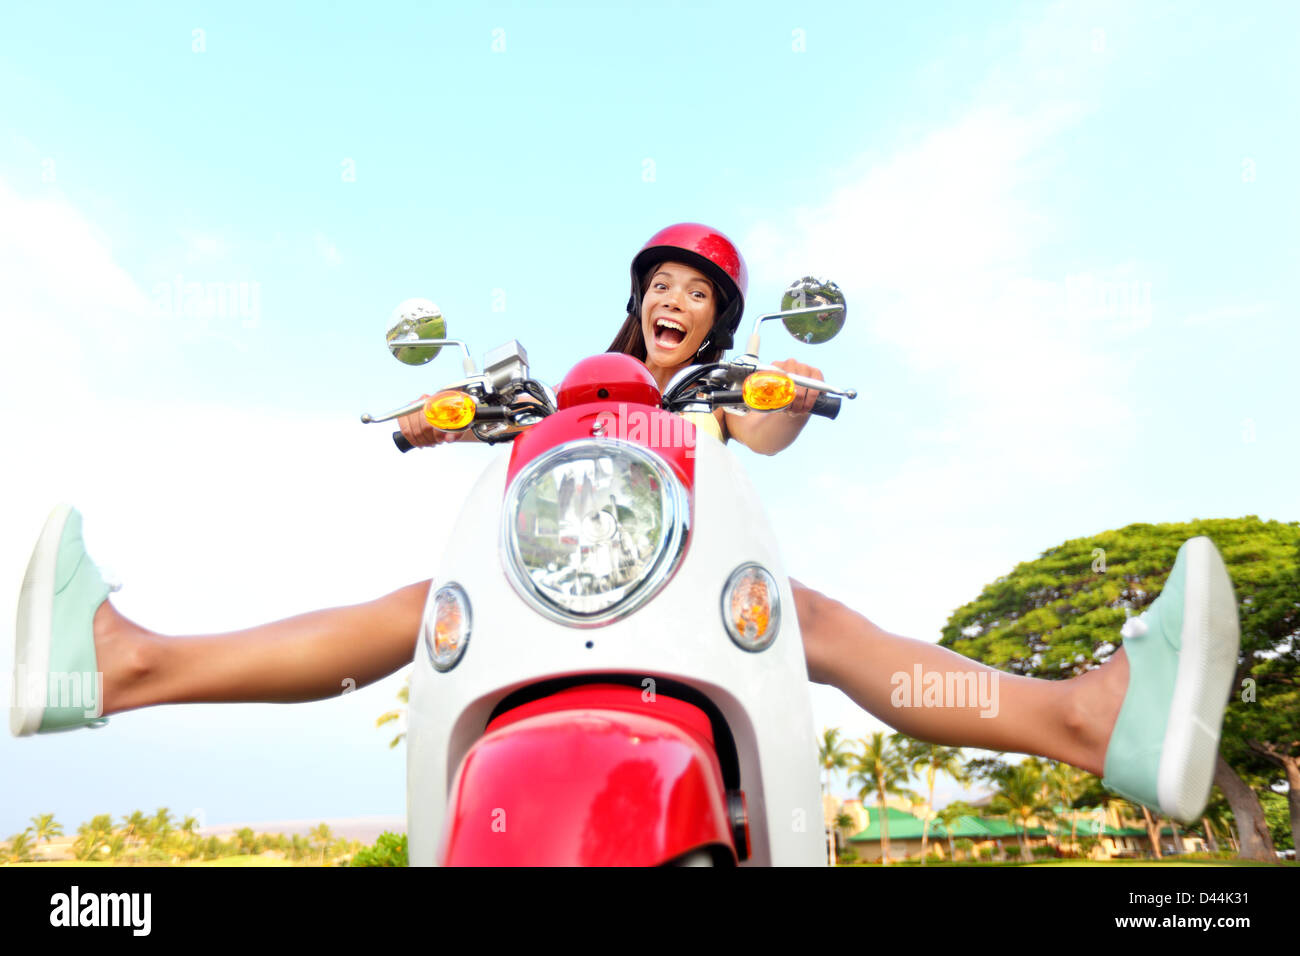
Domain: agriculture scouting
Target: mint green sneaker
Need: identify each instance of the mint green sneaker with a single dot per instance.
(57, 685)
(1182, 654)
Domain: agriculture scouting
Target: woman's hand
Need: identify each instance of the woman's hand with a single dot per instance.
(803, 397)
(769, 432)
(417, 430)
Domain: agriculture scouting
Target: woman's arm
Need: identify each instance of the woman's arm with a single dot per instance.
(770, 432)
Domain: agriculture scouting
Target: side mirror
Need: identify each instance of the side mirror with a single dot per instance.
(813, 328)
(812, 309)
(413, 320)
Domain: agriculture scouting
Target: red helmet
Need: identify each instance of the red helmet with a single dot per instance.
(707, 249)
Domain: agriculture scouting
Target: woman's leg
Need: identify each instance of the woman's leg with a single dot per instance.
(308, 657)
(1069, 720)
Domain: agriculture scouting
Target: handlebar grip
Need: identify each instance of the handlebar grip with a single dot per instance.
(402, 444)
(827, 406)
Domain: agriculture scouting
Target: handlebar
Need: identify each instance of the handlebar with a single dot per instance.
(484, 413)
(827, 406)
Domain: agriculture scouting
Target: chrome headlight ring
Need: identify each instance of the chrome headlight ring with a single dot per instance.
(673, 524)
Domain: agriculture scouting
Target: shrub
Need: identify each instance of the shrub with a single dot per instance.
(389, 850)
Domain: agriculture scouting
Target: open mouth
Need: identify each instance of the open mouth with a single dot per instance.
(669, 333)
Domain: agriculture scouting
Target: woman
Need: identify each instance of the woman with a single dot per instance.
(1148, 720)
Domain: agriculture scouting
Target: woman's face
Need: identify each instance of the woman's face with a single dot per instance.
(676, 314)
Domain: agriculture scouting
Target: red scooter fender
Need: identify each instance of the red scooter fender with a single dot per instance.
(598, 775)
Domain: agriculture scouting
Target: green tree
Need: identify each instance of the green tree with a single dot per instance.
(389, 850)
(1067, 785)
(927, 761)
(92, 837)
(1020, 796)
(44, 828)
(18, 848)
(949, 816)
(115, 846)
(881, 768)
(245, 841)
(1059, 615)
(160, 825)
(300, 847)
(1275, 812)
(134, 826)
(322, 839)
(833, 753)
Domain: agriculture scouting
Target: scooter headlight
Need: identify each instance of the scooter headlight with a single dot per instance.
(593, 529)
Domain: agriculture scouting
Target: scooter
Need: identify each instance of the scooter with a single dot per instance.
(609, 669)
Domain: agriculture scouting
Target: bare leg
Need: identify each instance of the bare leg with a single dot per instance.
(307, 657)
(1068, 720)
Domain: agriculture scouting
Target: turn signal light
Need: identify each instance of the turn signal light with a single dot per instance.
(449, 411)
(447, 635)
(751, 607)
(768, 391)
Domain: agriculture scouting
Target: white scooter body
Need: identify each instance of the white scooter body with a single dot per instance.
(678, 635)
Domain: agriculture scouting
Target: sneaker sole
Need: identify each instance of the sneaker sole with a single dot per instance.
(35, 614)
(1210, 640)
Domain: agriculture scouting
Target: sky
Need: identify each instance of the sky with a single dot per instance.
(1066, 234)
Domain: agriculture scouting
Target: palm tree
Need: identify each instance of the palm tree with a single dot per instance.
(833, 754)
(1067, 784)
(948, 816)
(134, 825)
(882, 769)
(930, 760)
(45, 827)
(18, 848)
(92, 836)
(116, 846)
(1020, 796)
(322, 837)
(161, 824)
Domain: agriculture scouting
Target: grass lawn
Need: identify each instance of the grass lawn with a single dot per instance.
(223, 861)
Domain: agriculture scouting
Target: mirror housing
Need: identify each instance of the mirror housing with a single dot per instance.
(813, 328)
(415, 319)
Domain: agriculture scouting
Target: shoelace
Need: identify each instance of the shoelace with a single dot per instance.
(110, 578)
(1134, 627)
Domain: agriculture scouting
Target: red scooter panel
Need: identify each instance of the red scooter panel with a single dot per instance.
(671, 436)
(591, 777)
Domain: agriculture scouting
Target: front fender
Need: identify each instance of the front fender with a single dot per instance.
(586, 786)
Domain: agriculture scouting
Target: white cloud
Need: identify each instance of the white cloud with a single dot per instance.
(938, 250)
(214, 518)
(1232, 313)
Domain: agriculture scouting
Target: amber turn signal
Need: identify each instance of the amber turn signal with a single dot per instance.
(768, 391)
(449, 411)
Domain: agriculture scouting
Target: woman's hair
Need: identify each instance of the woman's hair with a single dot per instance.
(631, 341)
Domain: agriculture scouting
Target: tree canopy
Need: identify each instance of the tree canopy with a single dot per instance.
(1059, 615)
